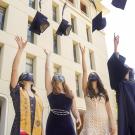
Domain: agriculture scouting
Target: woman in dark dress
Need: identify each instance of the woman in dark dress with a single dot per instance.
(62, 102)
(27, 104)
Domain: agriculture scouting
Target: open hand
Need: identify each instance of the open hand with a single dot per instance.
(82, 49)
(20, 42)
(116, 42)
(47, 52)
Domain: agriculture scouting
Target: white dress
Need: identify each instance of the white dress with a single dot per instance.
(96, 117)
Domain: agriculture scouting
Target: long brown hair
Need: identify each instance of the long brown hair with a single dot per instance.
(66, 89)
(32, 87)
(101, 90)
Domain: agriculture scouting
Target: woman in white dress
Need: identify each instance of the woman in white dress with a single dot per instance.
(98, 118)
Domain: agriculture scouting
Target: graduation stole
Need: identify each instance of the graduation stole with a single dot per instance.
(25, 114)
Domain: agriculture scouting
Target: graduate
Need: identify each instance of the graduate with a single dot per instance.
(98, 118)
(122, 81)
(27, 103)
(62, 103)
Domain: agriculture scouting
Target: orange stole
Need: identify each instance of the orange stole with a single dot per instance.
(25, 114)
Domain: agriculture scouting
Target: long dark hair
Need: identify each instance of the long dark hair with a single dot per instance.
(67, 90)
(22, 85)
(101, 90)
(21, 79)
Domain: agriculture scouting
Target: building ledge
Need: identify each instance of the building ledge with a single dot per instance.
(101, 7)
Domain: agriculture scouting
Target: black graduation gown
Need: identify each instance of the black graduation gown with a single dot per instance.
(125, 94)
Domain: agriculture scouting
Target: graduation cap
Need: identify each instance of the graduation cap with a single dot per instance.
(119, 3)
(39, 24)
(26, 77)
(93, 77)
(64, 27)
(98, 23)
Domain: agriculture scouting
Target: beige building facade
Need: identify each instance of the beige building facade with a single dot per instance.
(15, 18)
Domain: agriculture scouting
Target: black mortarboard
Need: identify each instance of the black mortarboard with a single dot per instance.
(39, 24)
(26, 77)
(119, 3)
(98, 23)
(93, 77)
(64, 28)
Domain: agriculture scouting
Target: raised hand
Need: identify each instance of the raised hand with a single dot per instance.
(21, 44)
(116, 42)
(82, 49)
(47, 52)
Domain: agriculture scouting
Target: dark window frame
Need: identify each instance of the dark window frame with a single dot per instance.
(2, 11)
(73, 19)
(55, 13)
(83, 8)
(31, 65)
(55, 43)
(92, 61)
(89, 35)
(30, 35)
(32, 4)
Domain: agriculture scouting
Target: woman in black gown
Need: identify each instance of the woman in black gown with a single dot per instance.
(62, 102)
(122, 81)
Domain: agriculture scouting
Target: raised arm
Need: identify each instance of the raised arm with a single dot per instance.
(15, 67)
(84, 67)
(48, 84)
(116, 66)
(116, 43)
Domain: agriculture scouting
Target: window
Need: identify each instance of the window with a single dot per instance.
(92, 62)
(32, 3)
(83, 8)
(89, 35)
(2, 16)
(29, 65)
(30, 35)
(71, 1)
(3, 114)
(0, 52)
(55, 43)
(76, 52)
(73, 23)
(78, 84)
(57, 69)
(55, 13)
(0, 59)
(0, 109)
